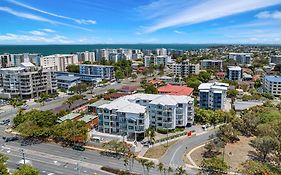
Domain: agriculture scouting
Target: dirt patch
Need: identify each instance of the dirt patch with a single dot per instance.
(234, 154)
(237, 153)
(158, 151)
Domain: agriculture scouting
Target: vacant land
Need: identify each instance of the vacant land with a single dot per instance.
(234, 154)
(158, 151)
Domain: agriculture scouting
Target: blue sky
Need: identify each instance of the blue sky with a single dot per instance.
(140, 21)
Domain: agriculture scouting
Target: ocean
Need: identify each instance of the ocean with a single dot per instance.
(60, 49)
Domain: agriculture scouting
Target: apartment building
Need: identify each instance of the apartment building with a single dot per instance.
(13, 60)
(59, 62)
(212, 64)
(276, 59)
(131, 115)
(65, 82)
(156, 60)
(234, 73)
(212, 95)
(96, 72)
(241, 58)
(272, 85)
(27, 81)
(183, 69)
(86, 56)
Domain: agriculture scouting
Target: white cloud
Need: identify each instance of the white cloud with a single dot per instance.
(269, 15)
(197, 11)
(79, 21)
(38, 18)
(179, 32)
(57, 39)
(26, 15)
(39, 33)
(48, 30)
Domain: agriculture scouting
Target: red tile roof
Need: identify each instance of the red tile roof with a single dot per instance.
(128, 88)
(175, 90)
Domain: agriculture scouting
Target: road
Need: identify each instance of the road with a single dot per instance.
(174, 155)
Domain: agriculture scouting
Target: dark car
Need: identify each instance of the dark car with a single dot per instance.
(78, 147)
(5, 122)
(10, 139)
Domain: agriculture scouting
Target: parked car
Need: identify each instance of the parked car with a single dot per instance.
(5, 122)
(78, 147)
(10, 139)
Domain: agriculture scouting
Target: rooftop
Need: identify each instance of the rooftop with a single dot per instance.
(69, 116)
(94, 65)
(216, 86)
(273, 78)
(234, 68)
(67, 78)
(99, 103)
(175, 90)
(87, 118)
(243, 105)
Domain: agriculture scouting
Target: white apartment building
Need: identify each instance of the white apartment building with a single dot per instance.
(86, 56)
(131, 115)
(234, 73)
(212, 95)
(161, 52)
(156, 60)
(13, 60)
(184, 68)
(27, 81)
(58, 62)
(212, 64)
(241, 58)
(272, 85)
(276, 59)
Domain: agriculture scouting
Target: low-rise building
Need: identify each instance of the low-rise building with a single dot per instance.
(90, 120)
(184, 68)
(212, 64)
(234, 73)
(212, 95)
(272, 85)
(27, 81)
(131, 115)
(66, 82)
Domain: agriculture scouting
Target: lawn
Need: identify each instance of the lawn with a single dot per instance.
(158, 151)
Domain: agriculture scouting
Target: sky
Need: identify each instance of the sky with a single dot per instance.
(140, 21)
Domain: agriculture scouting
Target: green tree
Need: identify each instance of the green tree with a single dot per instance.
(43, 98)
(215, 166)
(232, 93)
(72, 131)
(193, 82)
(119, 75)
(26, 170)
(3, 167)
(79, 88)
(150, 89)
(142, 162)
(149, 165)
(160, 167)
(73, 68)
(151, 134)
(264, 146)
(180, 171)
(134, 76)
(170, 170)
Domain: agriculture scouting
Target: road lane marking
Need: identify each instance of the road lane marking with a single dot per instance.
(174, 154)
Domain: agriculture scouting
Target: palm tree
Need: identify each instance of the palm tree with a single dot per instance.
(150, 133)
(149, 165)
(160, 167)
(69, 102)
(142, 162)
(170, 170)
(180, 171)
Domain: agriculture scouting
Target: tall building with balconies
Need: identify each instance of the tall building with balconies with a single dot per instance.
(59, 62)
(96, 72)
(234, 73)
(272, 85)
(212, 64)
(212, 95)
(131, 115)
(241, 58)
(27, 81)
(183, 69)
